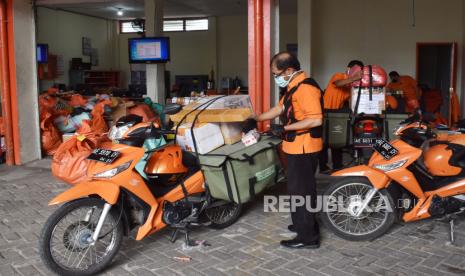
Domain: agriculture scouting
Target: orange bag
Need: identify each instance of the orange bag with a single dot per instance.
(70, 160)
(47, 102)
(98, 124)
(142, 110)
(77, 100)
(51, 137)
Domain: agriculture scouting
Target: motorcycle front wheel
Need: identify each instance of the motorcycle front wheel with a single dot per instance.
(64, 244)
(342, 201)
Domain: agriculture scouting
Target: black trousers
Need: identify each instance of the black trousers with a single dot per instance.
(336, 155)
(301, 182)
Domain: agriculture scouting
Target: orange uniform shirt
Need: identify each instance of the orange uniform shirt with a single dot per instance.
(306, 104)
(335, 97)
(409, 88)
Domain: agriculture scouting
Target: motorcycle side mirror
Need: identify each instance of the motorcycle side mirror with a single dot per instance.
(171, 109)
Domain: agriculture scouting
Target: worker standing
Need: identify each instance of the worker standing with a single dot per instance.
(336, 97)
(409, 88)
(301, 117)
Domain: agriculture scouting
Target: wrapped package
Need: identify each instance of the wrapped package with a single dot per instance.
(252, 137)
(232, 132)
(228, 102)
(376, 105)
(214, 116)
(207, 137)
(236, 108)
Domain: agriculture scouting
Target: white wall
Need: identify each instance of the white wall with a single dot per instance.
(63, 32)
(232, 47)
(26, 80)
(287, 30)
(193, 53)
(380, 32)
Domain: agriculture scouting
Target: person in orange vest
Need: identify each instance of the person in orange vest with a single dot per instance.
(301, 113)
(409, 88)
(336, 97)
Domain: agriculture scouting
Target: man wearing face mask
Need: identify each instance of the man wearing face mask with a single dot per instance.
(300, 111)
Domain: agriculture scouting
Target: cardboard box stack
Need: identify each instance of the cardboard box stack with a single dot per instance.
(228, 109)
(207, 136)
(220, 123)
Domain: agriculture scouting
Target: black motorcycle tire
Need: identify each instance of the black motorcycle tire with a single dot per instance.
(391, 216)
(234, 216)
(56, 217)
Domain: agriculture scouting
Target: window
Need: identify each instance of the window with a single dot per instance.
(173, 25)
(170, 25)
(197, 24)
(127, 27)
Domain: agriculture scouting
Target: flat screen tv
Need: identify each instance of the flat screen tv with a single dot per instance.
(42, 53)
(149, 50)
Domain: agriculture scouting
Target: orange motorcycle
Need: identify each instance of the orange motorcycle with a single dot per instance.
(415, 177)
(84, 234)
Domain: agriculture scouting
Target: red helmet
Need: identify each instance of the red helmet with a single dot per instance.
(378, 74)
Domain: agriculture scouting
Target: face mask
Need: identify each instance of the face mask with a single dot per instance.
(281, 82)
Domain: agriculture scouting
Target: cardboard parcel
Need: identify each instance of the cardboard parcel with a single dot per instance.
(207, 137)
(236, 108)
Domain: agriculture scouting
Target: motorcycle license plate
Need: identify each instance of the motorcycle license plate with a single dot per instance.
(104, 155)
(364, 142)
(384, 148)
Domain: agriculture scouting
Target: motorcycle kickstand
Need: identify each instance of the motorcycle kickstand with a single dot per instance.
(187, 240)
(174, 235)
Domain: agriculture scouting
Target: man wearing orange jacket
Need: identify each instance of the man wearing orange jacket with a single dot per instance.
(409, 88)
(336, 97)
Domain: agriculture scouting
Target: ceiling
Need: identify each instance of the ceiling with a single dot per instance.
(172, 8)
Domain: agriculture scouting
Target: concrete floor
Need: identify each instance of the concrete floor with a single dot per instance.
(249, 247)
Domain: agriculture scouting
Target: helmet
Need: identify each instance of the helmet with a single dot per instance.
(377, 73)
(165, 166)
(436, 160)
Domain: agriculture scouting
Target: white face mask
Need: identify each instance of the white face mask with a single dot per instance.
(281, 82)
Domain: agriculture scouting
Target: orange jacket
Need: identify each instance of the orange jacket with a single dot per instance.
(335, 97)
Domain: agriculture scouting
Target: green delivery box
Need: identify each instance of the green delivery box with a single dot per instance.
(392, 121)
(237, 173)
(336, 129)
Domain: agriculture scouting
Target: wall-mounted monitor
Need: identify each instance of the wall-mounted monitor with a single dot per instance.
(149, 50)
(42, 53)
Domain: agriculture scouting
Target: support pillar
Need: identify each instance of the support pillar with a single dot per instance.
(274, 46)
(259, 38)
(155, 72)
(304, 34)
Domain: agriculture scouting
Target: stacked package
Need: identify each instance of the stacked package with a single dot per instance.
(217, 122)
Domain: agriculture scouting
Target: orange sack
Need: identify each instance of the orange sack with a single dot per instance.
(51, 137)
(47, 102)
(77, 100)
(142, 110)
(98, 124)
(70, 160)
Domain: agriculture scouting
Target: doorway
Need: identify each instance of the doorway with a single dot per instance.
(436, 75)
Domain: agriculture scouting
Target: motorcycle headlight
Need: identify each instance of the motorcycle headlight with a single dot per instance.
(118, 132)
(391, 166)
(111, 173)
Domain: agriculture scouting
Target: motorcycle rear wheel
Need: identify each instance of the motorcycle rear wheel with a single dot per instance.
(348, 194)
(224, 215)
(64, 245)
